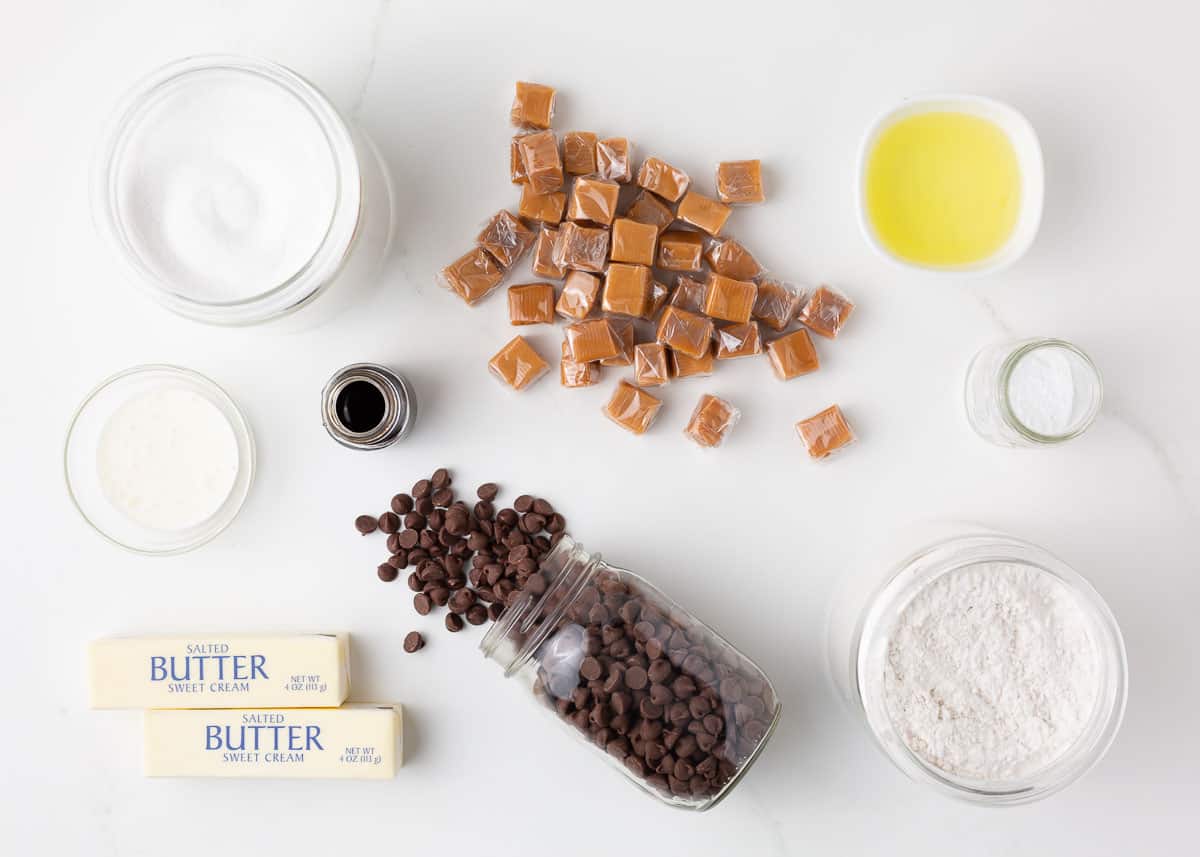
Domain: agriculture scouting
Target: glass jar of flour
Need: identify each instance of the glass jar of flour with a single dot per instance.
(983, 666)
(236, 193)
(1032, 392)
(654, 692)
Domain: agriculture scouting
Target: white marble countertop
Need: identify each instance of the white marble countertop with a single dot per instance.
(1110, 89)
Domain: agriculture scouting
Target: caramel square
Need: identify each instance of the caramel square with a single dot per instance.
(626, 289)
(826, 312)
(685, 332)
(543, 255)
(574, 374)
(531, 303)
(473, 276)
(578, 295)
(826, 432)
(730, 299)
(792, 355)
(594, 200)
(680, 251)
(658, 299)
(651, 367)
(632, 408)
(593, 340)
(686, 366)
(703, 212)
(730, 259)
(738, 340)
(777, 303)
(517, 364)
(546, 207)
(582, 248)
(579, 153)
(648, 208)
(627, 336)
(506, 238)
(688, 294)
(659, 177)
(613, 159)
(711, 421)
(633, 242)
(516, 164)
(533, 105)
(740, 182)
(543, 164)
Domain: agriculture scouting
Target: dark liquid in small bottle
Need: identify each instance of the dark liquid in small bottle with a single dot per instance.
(360, 406)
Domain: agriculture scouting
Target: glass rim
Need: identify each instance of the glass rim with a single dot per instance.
(1009, 366)
(919, 570)
(241, 429)
(327, 258)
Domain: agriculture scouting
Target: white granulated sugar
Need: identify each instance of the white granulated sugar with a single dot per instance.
(1041, 391)
(227, 186)
(991, 672)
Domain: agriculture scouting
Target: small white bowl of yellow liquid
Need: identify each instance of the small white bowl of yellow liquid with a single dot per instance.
(951, 184)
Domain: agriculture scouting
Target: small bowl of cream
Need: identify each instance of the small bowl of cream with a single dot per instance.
(950, 184)
(159, 459)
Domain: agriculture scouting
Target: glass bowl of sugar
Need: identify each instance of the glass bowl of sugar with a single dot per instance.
(233, 190)
(158, 459)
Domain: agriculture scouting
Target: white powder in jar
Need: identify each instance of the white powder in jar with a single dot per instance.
(167, 459)
(227, 185)
(1041, 391)
(991, 672)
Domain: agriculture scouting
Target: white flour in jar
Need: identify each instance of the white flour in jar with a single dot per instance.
(227, 185)
(167, 459)
(991, 672)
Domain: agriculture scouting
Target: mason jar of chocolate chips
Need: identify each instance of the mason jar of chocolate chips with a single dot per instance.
(658, 694)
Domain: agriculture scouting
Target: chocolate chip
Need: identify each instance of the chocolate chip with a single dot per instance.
(389, 522)
(441, 478)
(443, 497)
(487, 491)
(413, 642)
(454, 622)
(477, 614)
(523, 503)
(402, 504)
(408, 539)
(635, 678)
(591, 669)
(424, 506)
(414, 521)
(366, 524)
(422, 603)
(494, 611)
(543, 507)
(387, 572)
(414, 582)
(422, 489)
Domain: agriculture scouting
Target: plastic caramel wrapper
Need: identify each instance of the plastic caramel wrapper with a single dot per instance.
(572, 373)
(825, 433)
(632, 408)
(826, 312)
(711, 421)
(532, 106)
(517, 364)
(651, 364)
(506, 238)
(740, 182)
(778, 302)
(472, 276)
(685, 332)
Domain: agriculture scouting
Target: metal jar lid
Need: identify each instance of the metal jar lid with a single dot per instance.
(399, 406)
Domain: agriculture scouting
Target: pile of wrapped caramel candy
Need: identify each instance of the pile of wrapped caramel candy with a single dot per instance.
(649, 278)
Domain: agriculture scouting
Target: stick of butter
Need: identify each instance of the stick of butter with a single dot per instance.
(357, 741)
(220, 671)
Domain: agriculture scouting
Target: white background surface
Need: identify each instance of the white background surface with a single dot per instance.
(752, 537)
